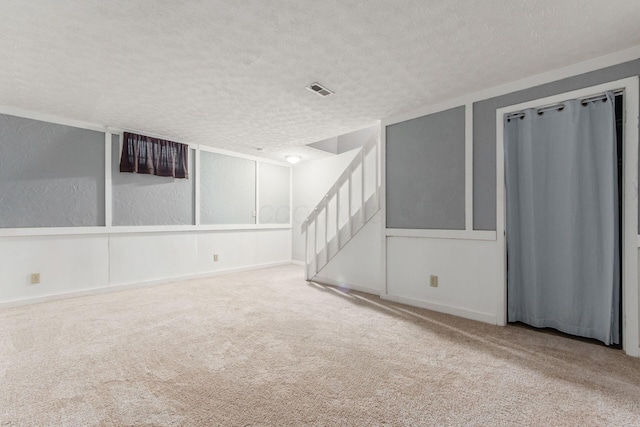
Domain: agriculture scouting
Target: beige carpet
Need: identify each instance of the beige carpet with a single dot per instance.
(266, 348)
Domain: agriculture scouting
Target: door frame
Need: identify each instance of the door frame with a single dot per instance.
(630, 239)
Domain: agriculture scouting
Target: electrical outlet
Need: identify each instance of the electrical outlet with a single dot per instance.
(215, 257)
(433, 281)
(35, 278)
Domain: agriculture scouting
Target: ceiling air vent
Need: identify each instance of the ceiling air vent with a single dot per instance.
(319, 89)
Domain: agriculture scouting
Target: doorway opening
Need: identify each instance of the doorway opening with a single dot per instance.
(626, 212)
(619, 118)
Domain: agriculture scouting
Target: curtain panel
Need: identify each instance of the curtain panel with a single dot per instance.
(153, 156)
(562, 219)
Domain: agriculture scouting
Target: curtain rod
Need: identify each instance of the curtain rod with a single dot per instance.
(560, 106)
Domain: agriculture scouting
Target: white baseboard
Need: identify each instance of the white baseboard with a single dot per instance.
(441, 308)
(350, 286)
(296, 262)
(134, 285)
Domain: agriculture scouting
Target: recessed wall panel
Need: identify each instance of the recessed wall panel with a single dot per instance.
(274, 194)
(51, 175)
(425, 172)
(227, 189)
(140, 199)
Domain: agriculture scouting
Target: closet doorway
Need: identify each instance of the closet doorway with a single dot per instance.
(563, 231)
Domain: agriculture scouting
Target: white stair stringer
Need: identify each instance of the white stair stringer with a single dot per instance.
(354, 267)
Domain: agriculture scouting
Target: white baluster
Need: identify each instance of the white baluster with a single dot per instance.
(338, 214)
(362, 209)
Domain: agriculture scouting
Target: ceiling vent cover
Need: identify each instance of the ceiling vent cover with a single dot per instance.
(319, 89)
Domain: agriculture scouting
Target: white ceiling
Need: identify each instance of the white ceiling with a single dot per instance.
(231, 73)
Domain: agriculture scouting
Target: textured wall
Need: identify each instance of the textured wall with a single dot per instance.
(274, 194)
(140, 199)
(425, 172)
(484, 132)
(227, 189)
(50, 175)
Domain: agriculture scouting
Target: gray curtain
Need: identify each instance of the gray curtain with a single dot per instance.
(562, 219)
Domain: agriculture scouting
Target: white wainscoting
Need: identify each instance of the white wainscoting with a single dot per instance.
(71, 265)
(358, 266)
(466, 270)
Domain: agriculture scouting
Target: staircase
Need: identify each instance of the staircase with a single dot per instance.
(348, 205)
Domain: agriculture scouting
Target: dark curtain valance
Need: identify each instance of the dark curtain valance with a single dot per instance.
(153, 156)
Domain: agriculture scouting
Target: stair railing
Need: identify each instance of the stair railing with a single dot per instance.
(348, 205)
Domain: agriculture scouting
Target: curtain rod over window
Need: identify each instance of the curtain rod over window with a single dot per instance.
(154, 156)
(560, 106)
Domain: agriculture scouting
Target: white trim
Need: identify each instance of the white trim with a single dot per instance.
(257, 198)
(501, 274)
(442, 308)
(291, 202)
(121, 131)
(631, 340)
(383, 205)
(72, 231)
(441, 234)
(630, 288)
(526, 83)
(50, 118)
(108, 228)
(242, 156)
(196, 195)
(349, 286)
(135, 285)
(300, 263)
(108, 208)
(468, 166)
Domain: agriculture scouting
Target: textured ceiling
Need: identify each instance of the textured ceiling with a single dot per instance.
(231, 74)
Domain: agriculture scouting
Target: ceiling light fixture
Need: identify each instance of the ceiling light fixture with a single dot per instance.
(293, 158)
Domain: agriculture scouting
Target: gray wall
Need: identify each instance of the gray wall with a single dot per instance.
(484, 132)
(227, 189)
(140, 199)
(50, 175)
(275, 193)
(425, 167)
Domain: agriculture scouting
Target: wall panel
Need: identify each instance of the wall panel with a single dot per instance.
(227, 189)
(140, 199)
(425, 172)
(51, 175)
(275, 186)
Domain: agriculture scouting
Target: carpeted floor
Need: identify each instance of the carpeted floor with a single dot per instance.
(266, 348)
